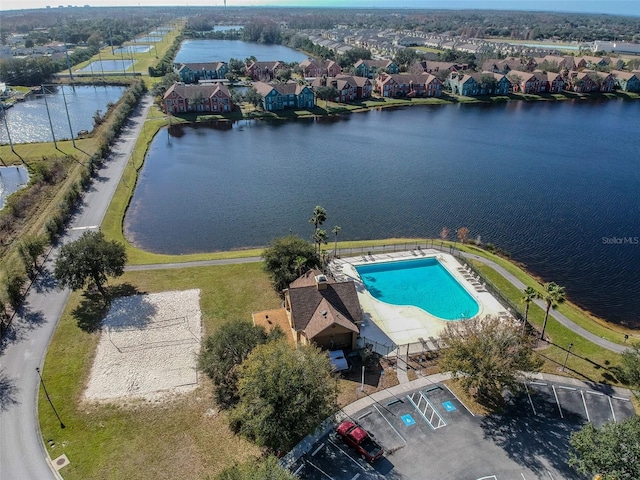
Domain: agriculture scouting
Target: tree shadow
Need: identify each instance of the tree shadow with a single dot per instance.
(44, 281)
(93, 308)
(534, 441)
(23, 321)
(8, 392)
(90, 312)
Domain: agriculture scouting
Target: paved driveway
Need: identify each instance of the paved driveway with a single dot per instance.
(427, 433)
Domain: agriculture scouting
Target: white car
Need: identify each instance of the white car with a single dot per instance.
(338, 360)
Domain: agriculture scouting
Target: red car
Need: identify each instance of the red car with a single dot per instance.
(360, 440)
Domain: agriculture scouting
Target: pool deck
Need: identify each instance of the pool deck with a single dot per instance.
(393, 325)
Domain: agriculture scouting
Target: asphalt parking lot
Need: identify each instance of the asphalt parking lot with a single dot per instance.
(427, 433)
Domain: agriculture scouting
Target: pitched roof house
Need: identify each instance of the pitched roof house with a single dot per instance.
(264, 71)
(580, 82)
(406, 85)
(278, 96)
(349, 87)
(345, 87)
(193, 72)
(317, 68)
(369, 68)
(527, 82)
(627, 81)
(461, 84)
(323, 311)
(182, 98)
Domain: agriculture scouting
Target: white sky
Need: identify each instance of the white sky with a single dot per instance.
(623, 7)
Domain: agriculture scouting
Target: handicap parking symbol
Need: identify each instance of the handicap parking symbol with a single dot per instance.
(407, 420)
(448, 406)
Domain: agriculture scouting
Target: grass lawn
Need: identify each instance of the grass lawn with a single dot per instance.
(181, 439)
(188, 438)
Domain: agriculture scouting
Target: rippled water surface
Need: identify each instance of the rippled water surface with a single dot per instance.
(12, 179)
(555, 184)
(28, 121)
(193, 51)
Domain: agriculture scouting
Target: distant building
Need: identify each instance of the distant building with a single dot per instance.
(406, 85)
(194, 72)
(264, 71)
(627, 81)
(315, 68)
(280, 96)
(184, 98)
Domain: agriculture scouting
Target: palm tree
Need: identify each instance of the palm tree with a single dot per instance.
(553, 295)
(320, 237)
(335, 231)
(318, 218)
(530, 294)
(299, 264)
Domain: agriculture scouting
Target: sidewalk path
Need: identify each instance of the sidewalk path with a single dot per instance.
(22, 349)
(614, 347)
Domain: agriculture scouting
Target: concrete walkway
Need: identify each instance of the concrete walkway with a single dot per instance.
(614, 347)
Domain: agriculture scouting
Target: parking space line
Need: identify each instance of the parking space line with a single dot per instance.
(386, 420)
(557, 401)
(356, 476)
(461, 403)
(349, 456)
(365, 414)
(489, 477)
(320, 470)
(620, 398)
(538, 383)
(586, 410)
(567, 388)
(522, 476)
(595, 393)
(298, 469)
(530, 401)
(612, 412)
(317, 450)
(550, 476)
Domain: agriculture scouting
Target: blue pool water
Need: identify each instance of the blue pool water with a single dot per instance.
(423, 283)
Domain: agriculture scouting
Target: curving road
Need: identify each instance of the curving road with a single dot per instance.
(22, 453)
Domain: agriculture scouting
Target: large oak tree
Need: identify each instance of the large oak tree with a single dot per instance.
(486, 355)
(285, 393)
(611, 451)
(90, 260)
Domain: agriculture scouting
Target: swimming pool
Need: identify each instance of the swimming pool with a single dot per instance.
(423, 283)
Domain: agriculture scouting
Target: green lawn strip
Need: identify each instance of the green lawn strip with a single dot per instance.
(178, 439)
(600, 327)
(587, 360)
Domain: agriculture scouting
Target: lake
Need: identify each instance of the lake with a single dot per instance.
(553, 183)
(12, 179)
(28, 122)
(196, 51)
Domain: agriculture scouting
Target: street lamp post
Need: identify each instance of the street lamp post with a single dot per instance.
(567, 357)
(48, 398)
